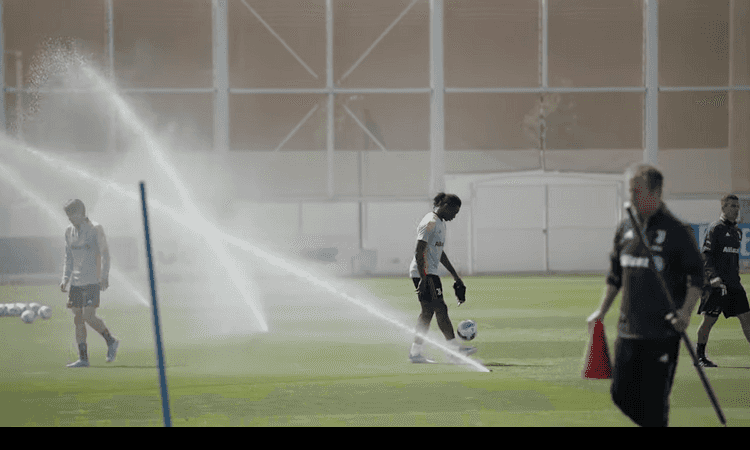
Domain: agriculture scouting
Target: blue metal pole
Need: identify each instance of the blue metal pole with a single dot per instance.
(157, 327)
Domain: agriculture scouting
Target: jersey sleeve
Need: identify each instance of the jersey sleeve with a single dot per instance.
(425, 230)
(101, 241)
(614, 276)
(690, 258)
(708, 254)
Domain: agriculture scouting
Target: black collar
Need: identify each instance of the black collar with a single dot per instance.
(656, 215)
(728, 222)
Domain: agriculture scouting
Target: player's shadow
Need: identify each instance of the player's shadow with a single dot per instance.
(133, 367)
(514, 365)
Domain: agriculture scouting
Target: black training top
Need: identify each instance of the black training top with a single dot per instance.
(676, 256)
(721, 253)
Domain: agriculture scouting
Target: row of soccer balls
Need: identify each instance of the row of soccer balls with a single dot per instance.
(28, 312)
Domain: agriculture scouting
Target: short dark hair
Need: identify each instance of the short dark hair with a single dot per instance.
(449, 199)
(726, 198)
(74, 206)
(653, 176)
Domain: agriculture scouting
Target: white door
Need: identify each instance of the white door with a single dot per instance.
(508, 229)
(581, 223)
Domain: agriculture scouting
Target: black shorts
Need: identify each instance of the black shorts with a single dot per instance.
(84, 296)
(434, 289)
(642, 379)
(732, 304)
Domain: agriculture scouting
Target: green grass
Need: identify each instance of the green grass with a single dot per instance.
(326, 363)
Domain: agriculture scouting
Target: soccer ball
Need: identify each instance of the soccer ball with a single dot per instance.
(467, 330)
(35, 307)
(45, 312)
(22, 306)
(28, 316)
(3, 310)
(14, 310)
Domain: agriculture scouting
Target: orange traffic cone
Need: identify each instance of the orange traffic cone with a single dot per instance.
(597, 365)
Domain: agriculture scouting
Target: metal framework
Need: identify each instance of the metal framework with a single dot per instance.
(437, 89)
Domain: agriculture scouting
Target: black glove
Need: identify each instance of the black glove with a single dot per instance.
(460, 290)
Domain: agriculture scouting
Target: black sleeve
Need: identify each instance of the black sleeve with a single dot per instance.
(707, 252)
(614, 277)
(690, 258)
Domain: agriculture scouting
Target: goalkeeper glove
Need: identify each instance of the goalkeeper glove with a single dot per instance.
(460, 290)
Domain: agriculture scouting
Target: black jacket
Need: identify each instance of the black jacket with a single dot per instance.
(677, 258)
(721, 253)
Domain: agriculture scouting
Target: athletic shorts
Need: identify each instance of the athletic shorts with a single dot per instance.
(642, 379)
(433, 286)
(732, 304)
(84, 296)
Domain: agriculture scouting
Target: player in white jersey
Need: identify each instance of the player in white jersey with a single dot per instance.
(424, 273)
(87, 270)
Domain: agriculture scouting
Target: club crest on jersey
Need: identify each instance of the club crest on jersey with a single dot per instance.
(660, 236)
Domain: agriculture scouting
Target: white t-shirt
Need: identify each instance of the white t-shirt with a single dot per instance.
(431, 230)
(86, 254)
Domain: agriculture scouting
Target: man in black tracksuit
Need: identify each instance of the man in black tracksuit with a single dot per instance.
(723, 291)
(648, 336)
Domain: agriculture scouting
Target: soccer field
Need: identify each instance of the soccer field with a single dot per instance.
(336, 366)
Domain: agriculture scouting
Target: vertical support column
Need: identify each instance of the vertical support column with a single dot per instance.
(221, 76)
(19, 95)
(330, 123)
(730, 94)
(3, 125)
(437, 102)
(110, 17)
(544, 75)
(739, 137)
(651, 23)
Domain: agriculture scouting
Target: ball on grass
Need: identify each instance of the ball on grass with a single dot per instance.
(14, 310)
(28, 316)
(45, 312)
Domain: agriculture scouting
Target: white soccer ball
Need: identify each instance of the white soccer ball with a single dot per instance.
(3, 310)
(22, 306)
(14, 310)
(28, 316)
(35, 307)
(467, 330)
(45, 312)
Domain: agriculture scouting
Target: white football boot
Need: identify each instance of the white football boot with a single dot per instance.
(462, 349)
(419, 359)
(79, 363)
(112, 351)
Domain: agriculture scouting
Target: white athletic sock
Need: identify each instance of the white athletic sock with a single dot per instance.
(416, 349)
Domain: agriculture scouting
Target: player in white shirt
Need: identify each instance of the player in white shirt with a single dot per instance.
(424, 273)
(87, 270)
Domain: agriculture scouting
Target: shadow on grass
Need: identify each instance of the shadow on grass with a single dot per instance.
(514, 365)
(133, 367)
